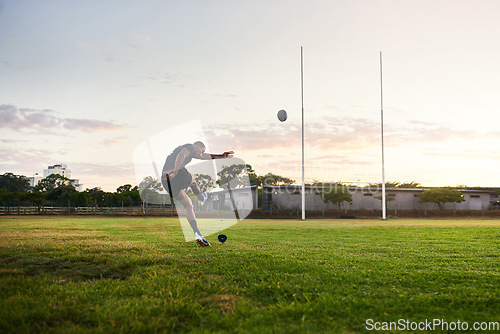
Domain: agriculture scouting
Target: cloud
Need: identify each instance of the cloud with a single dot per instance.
(137, 39)
(133, 46)
(108, 55)
(19, 161)
(13, 141)
(225, 95)
(164, 78)
(18, 119)
(135, 42)
(15, 118)
(336, 134)
(89, 125)
(108, 170)
(418, 132)
(249, 138)
(333, 134)
(468, 154)
(27, 162)
(108, 176)
(142, 38)
(85, 45)
(114, 141)
(7, 63)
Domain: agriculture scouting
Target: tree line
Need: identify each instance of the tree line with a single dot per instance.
(239, 175)
(57, 190)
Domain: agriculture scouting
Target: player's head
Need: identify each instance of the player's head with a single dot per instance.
(199, 147)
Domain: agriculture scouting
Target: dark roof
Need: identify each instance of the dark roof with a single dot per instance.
(371, 189)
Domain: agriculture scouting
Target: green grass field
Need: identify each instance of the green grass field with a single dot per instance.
(138, 275)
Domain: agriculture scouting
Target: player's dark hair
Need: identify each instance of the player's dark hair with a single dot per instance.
(199, 143)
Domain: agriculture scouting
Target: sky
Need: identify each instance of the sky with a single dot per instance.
(84, 83)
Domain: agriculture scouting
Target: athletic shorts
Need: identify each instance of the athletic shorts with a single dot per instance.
(181, 181)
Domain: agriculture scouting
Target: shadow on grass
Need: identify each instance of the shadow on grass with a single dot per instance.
(66, 269)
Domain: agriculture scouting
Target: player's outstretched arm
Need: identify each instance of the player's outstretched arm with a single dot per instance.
(208, 156)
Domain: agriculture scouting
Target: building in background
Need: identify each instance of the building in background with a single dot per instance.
(33, 180)
(288, 198)
(60, 169)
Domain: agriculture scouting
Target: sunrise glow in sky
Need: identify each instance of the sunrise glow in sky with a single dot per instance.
(85, 82)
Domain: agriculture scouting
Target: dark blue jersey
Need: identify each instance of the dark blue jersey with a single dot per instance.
(170, 162)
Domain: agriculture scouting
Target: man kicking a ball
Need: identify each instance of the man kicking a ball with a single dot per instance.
(175, 179)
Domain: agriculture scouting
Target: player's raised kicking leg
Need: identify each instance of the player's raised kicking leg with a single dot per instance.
(186, 202)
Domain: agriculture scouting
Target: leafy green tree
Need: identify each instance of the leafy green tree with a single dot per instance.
(14, 183)
(79, 198)
(237, 171)
(387, 185)
(92, 195)
(235, 174)
(441, 196)
(5, 196)
(337, 196)
(253, 177)
(56, 188)
(124, 188)
(271, 179)
(126, 195)
(411, 184)
(133, 196)
(52, 182)
(60, 195)
(98, 197)
(204, 182)
(37, 197)
(388, 198)
(149, 190)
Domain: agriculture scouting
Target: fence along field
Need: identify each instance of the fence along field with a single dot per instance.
(33, 210)
(137, 274)
(258, 213)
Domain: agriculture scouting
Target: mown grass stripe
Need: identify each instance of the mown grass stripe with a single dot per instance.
(98, 274)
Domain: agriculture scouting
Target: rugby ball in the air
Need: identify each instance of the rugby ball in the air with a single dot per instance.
(282, 115)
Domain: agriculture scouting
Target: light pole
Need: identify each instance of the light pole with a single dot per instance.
(384, 214)
(282, 116)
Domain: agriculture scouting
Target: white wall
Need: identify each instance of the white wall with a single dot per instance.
(288, 198)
